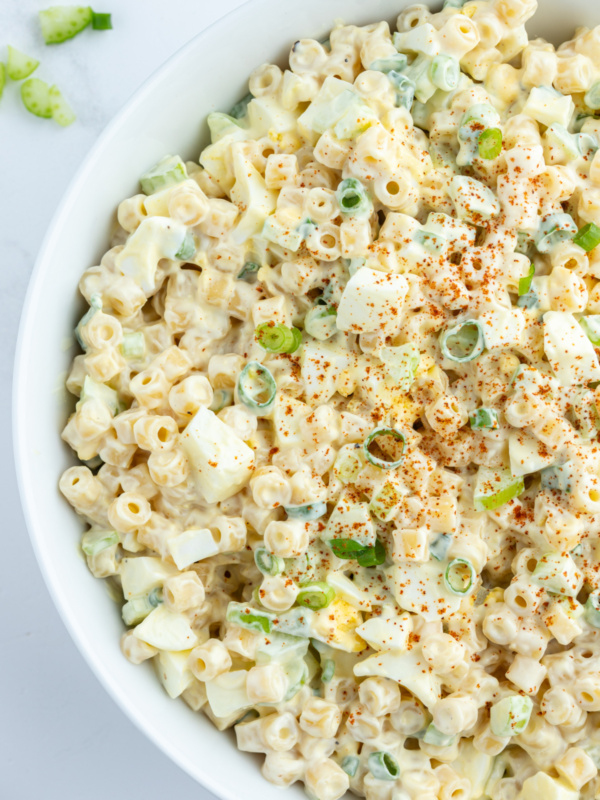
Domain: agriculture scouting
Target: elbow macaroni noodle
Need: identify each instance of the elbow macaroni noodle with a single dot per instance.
(338, 408)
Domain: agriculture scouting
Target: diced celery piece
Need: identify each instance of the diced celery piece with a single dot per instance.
(591, 326)
(221, 125)
(95, 541)
(509, 716)
(60, 23)
(169, 171)
(100, 391)
(435, 737)
(133, 345)
(495, 487)
(558, 574)
(19, 65)
(61, 110)
(36, 97)
(401, 363)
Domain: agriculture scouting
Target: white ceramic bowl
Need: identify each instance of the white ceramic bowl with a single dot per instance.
(165, 116)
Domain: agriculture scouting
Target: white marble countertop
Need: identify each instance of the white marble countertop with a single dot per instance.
(61, 734)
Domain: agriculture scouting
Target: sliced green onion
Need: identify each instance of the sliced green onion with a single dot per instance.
(435, 737)
(396, 63)
(405, 89)
(509, 716)
(490, 143)
(495, 488)
(187, 249)
(353, 199)
(240, 109)
(525, 283)
(307, 512)
(554, 229)
(556, 479)
(432, 242)
(347, 548)
(440, 545)
(383, 766)
(267, 563)
(133, 345)
(350, 765)
(444, 72)
(94, 542)
(484, 418)
(460, 577)
(327, 670)
(315, 595)
(276, 338)
(529, 300)
(249, 269)
(221, 398)
(372, 556)
(588, 237)
(253, 619)
(2, 78)
(382, 463)
(592, 96)
(463, 341)
(320, 322)
(101, 22)
(256, 387)
(592, 609)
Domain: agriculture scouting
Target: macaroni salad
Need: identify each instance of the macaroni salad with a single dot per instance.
(339, 409)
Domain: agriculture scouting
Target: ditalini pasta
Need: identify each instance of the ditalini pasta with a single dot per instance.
(338, 413)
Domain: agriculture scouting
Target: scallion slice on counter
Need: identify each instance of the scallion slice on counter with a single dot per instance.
(307, 512)
(372, 438)
(525, 283)
(267, 563)
(256, 387)
(101, 22)
(61, 110)
(383, 766)
(315, 595)
(463, 341)
(460, 576)
(489, 144)
(2, 78)
(587, 237)
(277, 338)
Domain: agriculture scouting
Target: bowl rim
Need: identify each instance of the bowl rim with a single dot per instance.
(113, 688)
